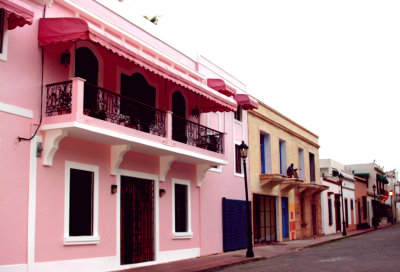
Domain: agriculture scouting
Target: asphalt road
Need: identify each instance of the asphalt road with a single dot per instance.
(373, 251)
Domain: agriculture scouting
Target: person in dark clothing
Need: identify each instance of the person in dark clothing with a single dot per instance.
(291, 172)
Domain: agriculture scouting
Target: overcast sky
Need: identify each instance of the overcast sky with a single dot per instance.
(331, 66)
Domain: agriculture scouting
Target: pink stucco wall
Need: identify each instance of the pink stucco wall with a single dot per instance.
(50, 204)
(21, 77)
(14, 188)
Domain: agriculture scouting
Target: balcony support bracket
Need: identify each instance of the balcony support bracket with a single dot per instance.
(165, 165)
(51, 142)
(117, 155)
(201, 171)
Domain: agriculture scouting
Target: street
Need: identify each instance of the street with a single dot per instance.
(373, 251)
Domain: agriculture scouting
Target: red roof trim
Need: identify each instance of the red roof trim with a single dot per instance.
(55, 30)
(18, 15)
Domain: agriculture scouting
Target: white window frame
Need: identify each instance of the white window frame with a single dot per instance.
(81, 240)
(188, 234)
(3, 55)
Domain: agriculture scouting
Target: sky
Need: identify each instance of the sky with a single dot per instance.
(331, 66)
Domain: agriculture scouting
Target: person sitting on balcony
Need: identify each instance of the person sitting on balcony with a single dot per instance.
(291, 172)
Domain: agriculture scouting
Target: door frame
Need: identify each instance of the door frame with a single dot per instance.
(140, 175)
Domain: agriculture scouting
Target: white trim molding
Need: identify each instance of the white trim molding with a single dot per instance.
(19, 111)
(82, 240)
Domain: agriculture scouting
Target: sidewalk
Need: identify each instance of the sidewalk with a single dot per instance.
(213, 262)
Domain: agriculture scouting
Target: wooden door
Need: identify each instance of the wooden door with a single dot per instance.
(137, 216)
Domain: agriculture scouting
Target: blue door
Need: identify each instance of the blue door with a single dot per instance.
(234, 224)
(285, 217)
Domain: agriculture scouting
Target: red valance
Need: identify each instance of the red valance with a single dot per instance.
(18, 15)
(55, 30)
(220, 86)
(246, 101)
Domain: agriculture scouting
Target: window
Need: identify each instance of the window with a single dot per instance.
(301, 164)
(282, 157)
(265, 151)
(238, 160)
(238, 113)
(1, 29)
(364, 207)
(312, 167)
(3, 35)
(351, 204)
(181, 209)
(81, 204)
(330, 211)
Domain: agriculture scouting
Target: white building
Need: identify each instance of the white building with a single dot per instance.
(331, 200)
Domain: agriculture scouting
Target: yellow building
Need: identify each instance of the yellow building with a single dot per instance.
(283, 207)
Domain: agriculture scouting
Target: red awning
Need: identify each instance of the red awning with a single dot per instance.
(220, 86)
(246, 101)
(18, 15)
(55, 30)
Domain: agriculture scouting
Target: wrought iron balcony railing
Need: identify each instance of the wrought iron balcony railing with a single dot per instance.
(186, 131)
(111, 107)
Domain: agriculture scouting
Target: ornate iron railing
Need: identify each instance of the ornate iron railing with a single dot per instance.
(103, 104)
(59, 98)
(195, 134)
(106, 105)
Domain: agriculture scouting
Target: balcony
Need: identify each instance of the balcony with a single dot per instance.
(85, 111)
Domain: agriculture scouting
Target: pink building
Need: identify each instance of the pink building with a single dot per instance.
(117, 150)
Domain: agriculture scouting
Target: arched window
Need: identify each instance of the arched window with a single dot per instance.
(136, 88)
(87, 67)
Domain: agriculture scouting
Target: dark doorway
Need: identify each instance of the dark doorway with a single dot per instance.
(337, 212)
(264, 219)
(136, 87)
(87, 67)
(137, 216)
(285, 217)
(359, 210)
(179, 118)
(314, 219)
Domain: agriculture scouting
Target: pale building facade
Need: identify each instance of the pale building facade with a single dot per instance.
(331, 199)
(283, 207)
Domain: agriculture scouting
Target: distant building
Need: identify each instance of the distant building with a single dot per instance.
(284, 207)
(377, 190)
(331, 200)
(394, 184)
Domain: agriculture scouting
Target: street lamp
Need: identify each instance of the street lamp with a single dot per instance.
(391, 206)
(243, 148)
(374, 221)
(341, 190)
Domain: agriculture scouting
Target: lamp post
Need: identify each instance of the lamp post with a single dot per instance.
(243, 154)
(374, 222)
(344, 233)
(391, 206)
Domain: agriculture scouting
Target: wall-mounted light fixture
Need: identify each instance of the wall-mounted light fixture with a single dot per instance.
(196, 112)
(39, 149)
(114, 189)
(162, 192)
(65, 58)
